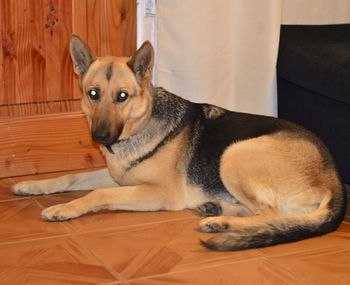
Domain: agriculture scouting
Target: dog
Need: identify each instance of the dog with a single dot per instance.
(259, 180)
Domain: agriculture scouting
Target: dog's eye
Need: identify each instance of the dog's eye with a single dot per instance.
(122, 96)
(94, 94)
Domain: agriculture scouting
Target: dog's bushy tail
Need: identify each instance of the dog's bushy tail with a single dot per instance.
(277, 229)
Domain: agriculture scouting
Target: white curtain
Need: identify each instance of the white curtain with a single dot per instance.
(224, 52)
(315, 12)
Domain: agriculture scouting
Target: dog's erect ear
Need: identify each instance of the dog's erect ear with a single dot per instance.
(81, 55)
(142, 62)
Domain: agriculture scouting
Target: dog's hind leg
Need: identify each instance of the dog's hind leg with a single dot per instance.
(71, 182)
(222, 207)
(284, 182)
(134, 198)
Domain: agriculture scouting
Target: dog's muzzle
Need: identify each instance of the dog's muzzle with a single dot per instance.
(103, 137)
(106, 139)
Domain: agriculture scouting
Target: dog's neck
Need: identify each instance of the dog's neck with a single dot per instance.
(167, 119)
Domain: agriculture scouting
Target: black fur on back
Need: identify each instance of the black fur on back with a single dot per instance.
(212, 136)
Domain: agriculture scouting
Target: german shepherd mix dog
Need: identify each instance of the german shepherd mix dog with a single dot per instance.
(260, 180)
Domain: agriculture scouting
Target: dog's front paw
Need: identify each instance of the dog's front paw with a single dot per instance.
(214, 224)
(60, 212)
(26, 188)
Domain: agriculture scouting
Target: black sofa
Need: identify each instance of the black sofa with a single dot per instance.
(313, 81)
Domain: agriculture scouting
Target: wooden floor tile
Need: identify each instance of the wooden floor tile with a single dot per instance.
(5, 193)
(157, 249)
(108, 219)
(51, 261)
(342, 232)
(6, 182)
(257, 271)
(20, 220)
(347, 216)
(323, 266)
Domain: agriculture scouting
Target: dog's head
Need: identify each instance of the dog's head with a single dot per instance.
(117, 91)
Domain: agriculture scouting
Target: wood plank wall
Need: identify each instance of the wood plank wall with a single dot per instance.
(36, 78)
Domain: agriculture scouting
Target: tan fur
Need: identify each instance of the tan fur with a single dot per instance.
(275, 171)
(278, 179)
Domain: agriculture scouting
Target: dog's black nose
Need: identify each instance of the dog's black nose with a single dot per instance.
(102, 137)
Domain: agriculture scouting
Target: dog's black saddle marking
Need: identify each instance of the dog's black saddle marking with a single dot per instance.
(211, 137)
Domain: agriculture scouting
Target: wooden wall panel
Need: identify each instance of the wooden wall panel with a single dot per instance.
(111, 27)
(35, 37)
(9, 53)
(1, 57)
(38, 57)
(49, 143)
(58, 29)
(35, 62)
(38, 90)
(79, 27)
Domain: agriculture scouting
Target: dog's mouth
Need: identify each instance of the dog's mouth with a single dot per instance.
(109, 148)
(106, 139)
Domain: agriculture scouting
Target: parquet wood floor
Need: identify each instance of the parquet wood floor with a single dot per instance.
(160, 248)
